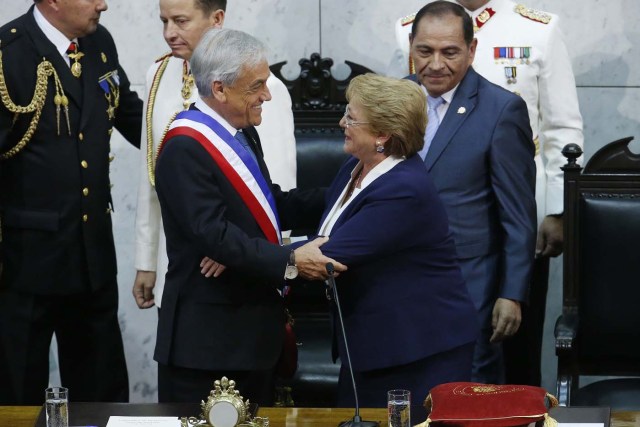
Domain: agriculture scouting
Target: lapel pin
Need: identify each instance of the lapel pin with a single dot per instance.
(462, 110)
(104, 57)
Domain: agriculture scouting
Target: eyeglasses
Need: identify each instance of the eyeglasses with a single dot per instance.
(348, 122)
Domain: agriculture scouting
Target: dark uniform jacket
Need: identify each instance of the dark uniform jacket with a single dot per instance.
(55, 201)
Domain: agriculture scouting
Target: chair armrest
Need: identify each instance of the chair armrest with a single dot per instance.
(565, 332)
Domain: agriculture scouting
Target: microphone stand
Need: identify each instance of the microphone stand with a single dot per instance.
(356, 421)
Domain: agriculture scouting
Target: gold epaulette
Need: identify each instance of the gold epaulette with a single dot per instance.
(163, 57)
(534, 15)
(408, 19)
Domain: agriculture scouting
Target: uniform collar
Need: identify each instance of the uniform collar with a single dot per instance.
(496, 5)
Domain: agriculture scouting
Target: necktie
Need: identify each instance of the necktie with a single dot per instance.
(243, 140)
(432, 124)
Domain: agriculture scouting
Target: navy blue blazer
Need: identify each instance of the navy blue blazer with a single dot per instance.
(403, 297)
(481, 161)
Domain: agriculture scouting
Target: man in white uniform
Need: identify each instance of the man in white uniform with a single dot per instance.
(171, 89)
(522, 50)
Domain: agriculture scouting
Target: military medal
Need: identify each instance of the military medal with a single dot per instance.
(110, 84)
(72, 52)
(187, 85)
(512, 55)
(511, 74)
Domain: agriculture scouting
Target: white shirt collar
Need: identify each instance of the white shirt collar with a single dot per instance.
(447, 96)
(55, 36)
(202, 106)
(378, 170)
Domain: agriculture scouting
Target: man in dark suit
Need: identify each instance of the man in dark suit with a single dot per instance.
(481, 161)
(59, 107)
(217, 200)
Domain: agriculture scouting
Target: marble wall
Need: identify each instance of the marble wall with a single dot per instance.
(603, 38)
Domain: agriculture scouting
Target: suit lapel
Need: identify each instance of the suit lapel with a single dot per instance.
(47, 50)
(335, 190)
(254, 142)
(89, 77)
(462, 104)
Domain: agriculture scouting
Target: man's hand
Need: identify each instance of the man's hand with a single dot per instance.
(143, 288)
(312, 265)
(550, 237)
(211, 267)
(506, 319)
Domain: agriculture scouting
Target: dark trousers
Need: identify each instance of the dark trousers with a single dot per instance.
(176, 384)
(523, 351)
(482, 275)
(419, 377)
(90, 350)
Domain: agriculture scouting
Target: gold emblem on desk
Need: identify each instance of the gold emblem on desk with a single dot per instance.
(224, 408)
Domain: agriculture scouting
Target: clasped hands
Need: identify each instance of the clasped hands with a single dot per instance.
(311, 263)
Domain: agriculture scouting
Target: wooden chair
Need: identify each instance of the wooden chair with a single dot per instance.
(318, 103)
(598, 333)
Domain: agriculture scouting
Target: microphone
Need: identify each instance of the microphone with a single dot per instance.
(356, 421)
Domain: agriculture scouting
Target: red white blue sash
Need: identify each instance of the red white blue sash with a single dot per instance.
(235, 163)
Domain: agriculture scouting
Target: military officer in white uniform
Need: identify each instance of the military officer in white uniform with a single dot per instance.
(170, 89)
(522, 50)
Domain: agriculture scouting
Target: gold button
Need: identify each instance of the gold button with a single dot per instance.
(85, 218)
(80, 136)
(109, 210)
(85, 191)
(13, 30)
(111, 158)
(84, 164)
(110, 131)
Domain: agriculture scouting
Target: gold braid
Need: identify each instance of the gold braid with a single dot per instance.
(44, 71)
(151, 158)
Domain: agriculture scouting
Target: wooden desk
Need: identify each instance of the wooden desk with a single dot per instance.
(19, 416)
(26, 416)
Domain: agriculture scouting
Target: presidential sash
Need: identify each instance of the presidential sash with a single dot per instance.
(236, 164)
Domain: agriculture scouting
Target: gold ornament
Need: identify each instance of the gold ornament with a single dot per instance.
(149, 118)
(43, 72)
(76, 67)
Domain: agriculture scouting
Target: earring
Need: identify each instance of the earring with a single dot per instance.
(379, 147)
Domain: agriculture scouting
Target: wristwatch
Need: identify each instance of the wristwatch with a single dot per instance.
(291, 272)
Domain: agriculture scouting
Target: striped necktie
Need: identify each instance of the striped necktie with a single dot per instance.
(432, 124)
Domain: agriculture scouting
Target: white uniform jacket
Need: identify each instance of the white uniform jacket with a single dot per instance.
(163, 100)
(523, 51)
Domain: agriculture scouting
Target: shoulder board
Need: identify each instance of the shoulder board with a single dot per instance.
(163, 57)
(534, 15)
(407, 19)
(8, 35)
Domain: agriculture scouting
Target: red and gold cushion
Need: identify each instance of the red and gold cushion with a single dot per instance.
(465, 404)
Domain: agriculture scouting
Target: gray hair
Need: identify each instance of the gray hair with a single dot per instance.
(220, 56)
